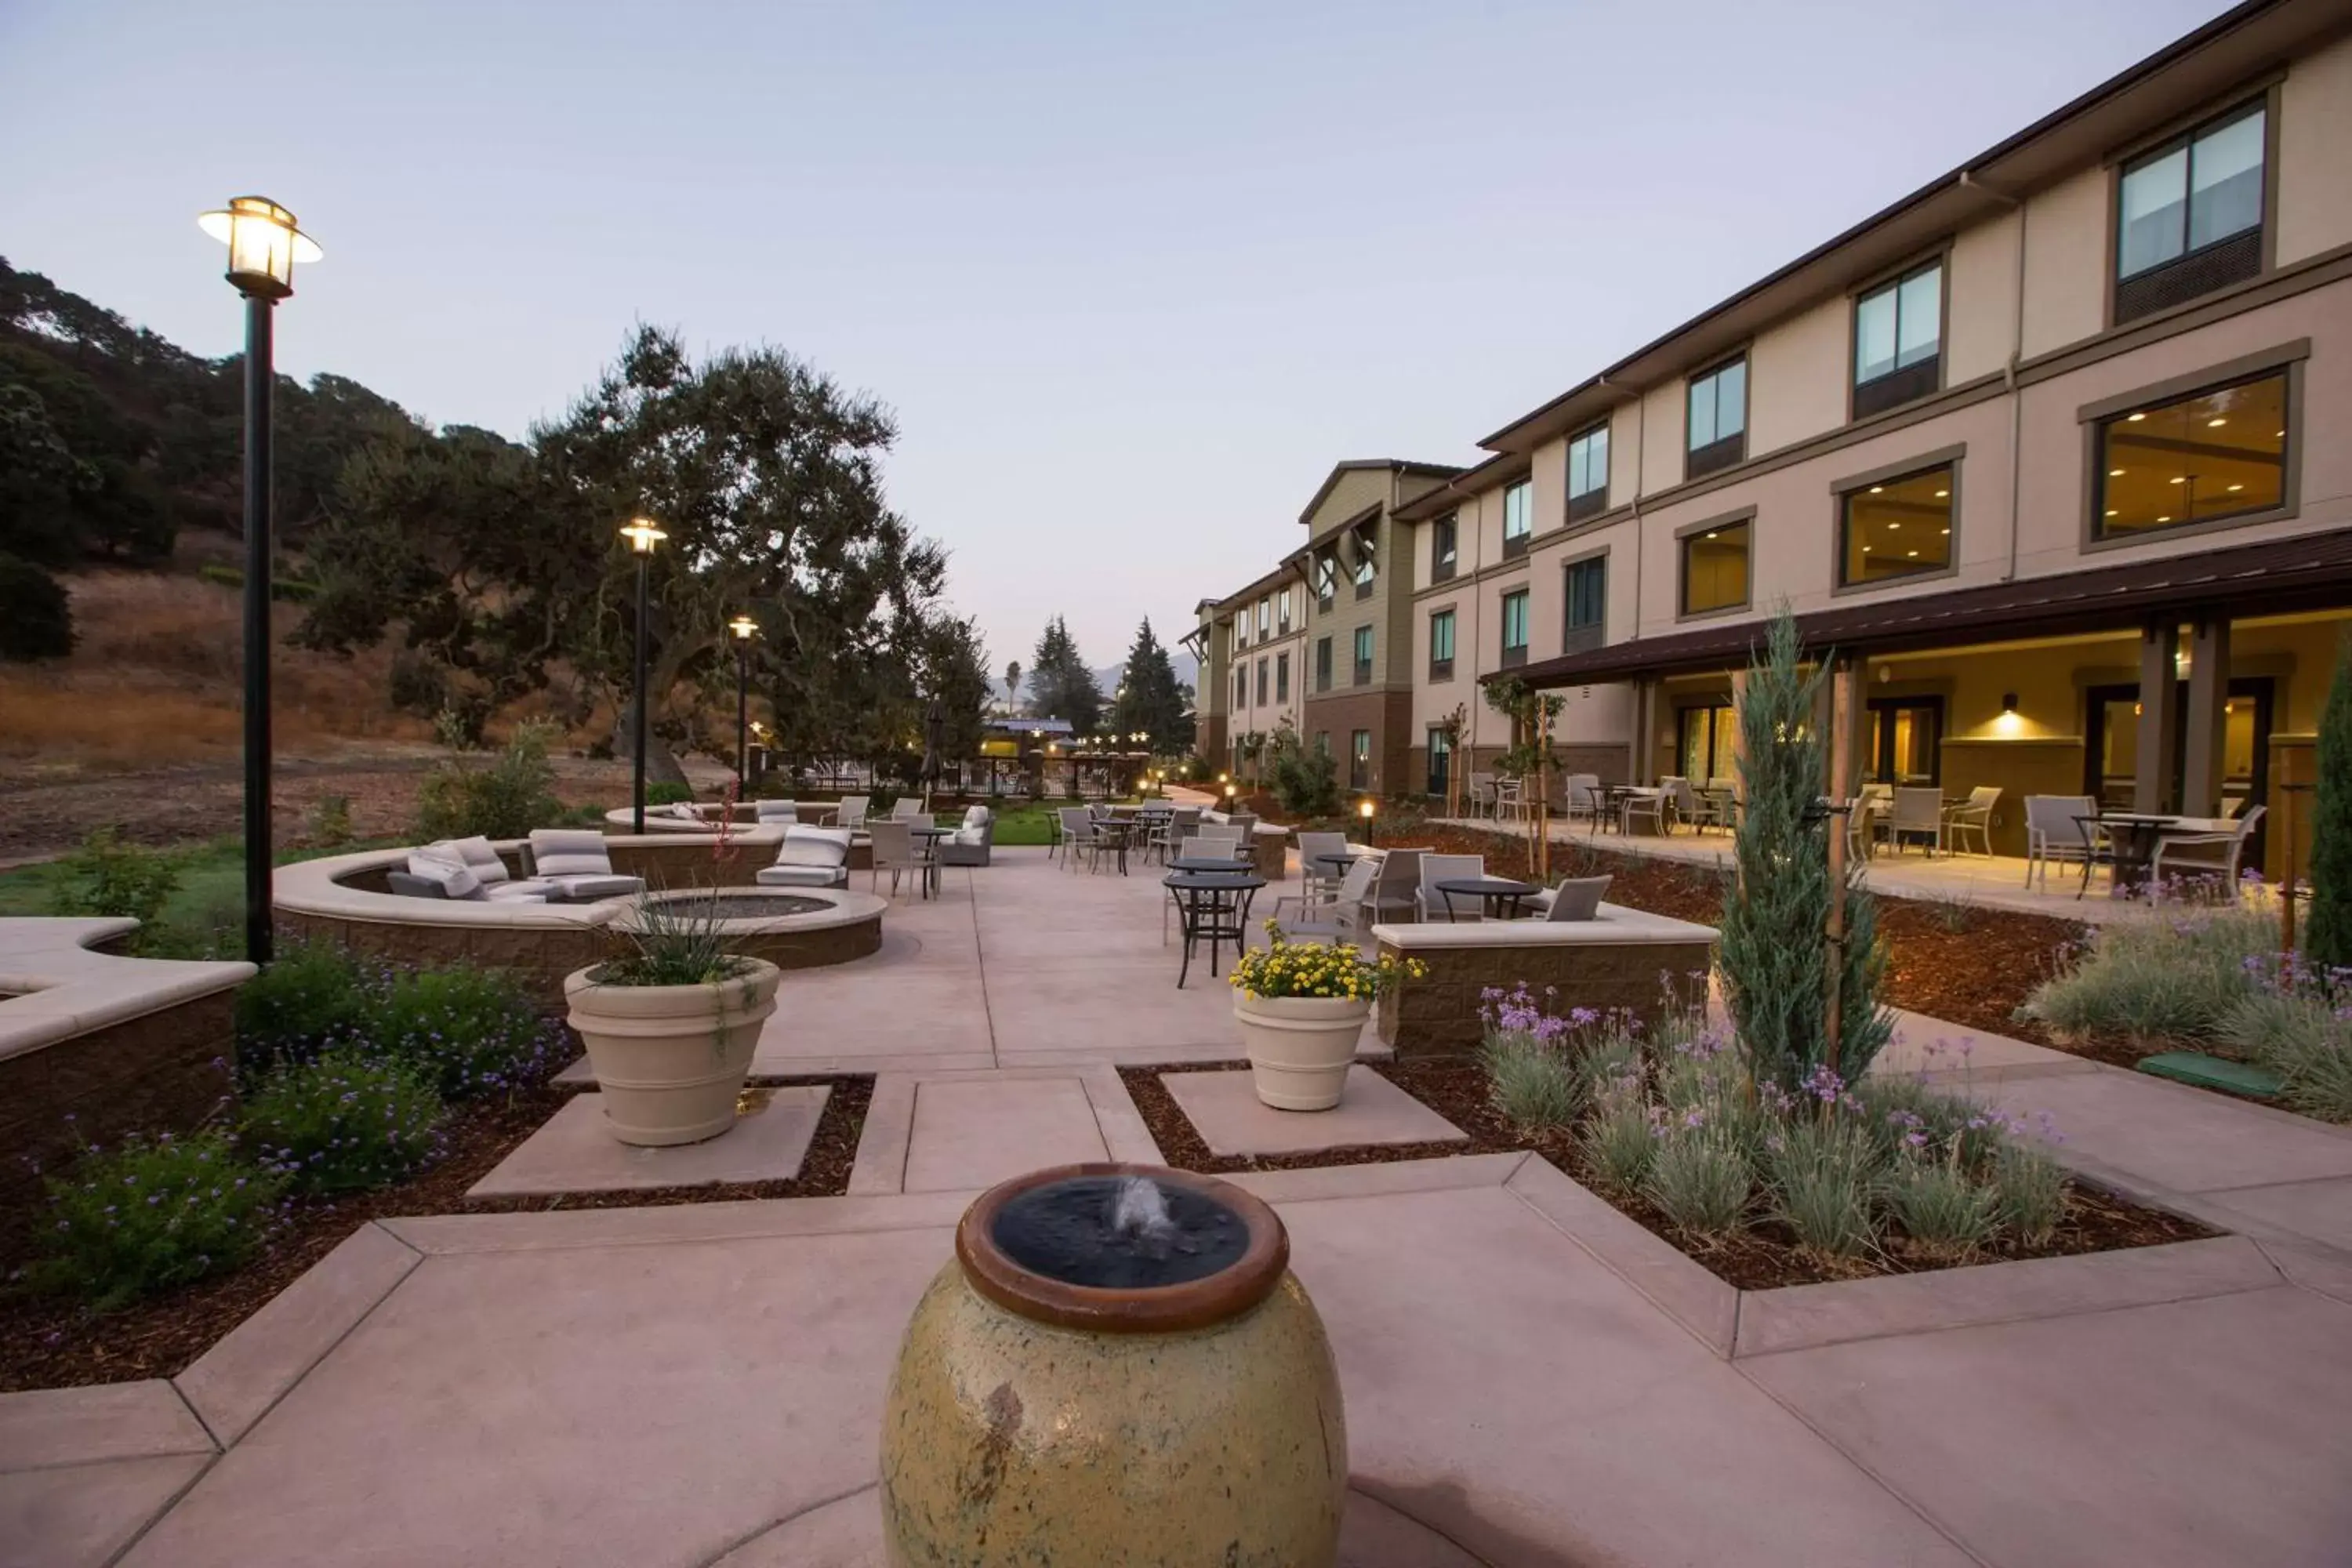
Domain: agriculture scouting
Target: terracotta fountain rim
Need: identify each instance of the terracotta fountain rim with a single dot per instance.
(1166, 1309)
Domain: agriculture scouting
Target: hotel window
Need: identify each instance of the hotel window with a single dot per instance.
(1322, 743)
(1896, 528)
(1898, 338)
(1716, 435)
(1241, 633)
(1441, 761)
(1588, 603)
(1359, 759)
(1366, 566)
(1518, 518)
(1264, 617)
(1262, 673)
(2215, 454)
(1363, 656)
(2190, 215)
(1715, 568)
(1282, 678)
(1444, 547)
(1326, 576)
(1515, 629)
(1282, 613)
(1708, 738)
(1440, 644)
(1322, 664)
(1588, 474)
(1241, 690)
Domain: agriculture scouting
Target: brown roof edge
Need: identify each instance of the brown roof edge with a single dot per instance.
(1357, 464)
(2129, 77)
(1499, 469)
(2310, 572)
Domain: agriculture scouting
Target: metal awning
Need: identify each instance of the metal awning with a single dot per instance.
(2278, 576)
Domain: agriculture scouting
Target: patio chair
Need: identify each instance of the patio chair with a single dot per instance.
(2054, 831)
(447, 871)
(1650, 804)
(488, 868)
(896, 851)
(1508, 803)
(973, 841)
(1396, 890)
(1701, 811)
(1078, 836)
(767, 812)
(853, 812)
(1427, 902)
(1313, 875)
(1575, 899)
(809, 857)
(1337, 910)
(1973, 816)
(1582, 800)
(1482, 795)
(577, 861)
(1917, 813)
(2217, 854)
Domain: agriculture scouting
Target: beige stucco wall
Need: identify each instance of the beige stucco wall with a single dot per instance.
(1980, 280)
(1796, 377)
(1662, 412)
(2315, 173)
(1625, 453)
(2066, 261)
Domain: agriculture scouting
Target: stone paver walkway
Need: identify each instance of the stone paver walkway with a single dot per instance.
(1530, 1378)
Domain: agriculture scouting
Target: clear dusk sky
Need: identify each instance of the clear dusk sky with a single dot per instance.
(1133, 277)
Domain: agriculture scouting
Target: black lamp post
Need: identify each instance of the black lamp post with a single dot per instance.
(263, 247)
(643, 535)
(745, 628)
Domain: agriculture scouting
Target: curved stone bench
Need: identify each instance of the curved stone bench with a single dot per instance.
(1621, 960)
(115, 1044)
(343, 899)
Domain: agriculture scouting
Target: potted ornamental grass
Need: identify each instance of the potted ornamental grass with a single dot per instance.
(670, 1025)
(1301, 1007)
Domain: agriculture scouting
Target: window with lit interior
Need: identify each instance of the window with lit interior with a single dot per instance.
(1896, 528)
(1715, 568)
(2215, 454)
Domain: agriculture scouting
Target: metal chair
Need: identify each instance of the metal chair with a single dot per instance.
(2225, 852)
(1582, 799)
(1336, 911)
(1397, 887)
(1313, 875)
(1427, 902)
(1650, 804)
(1917, 811)
(1974, 817)
(2055, 830)
(895, 851)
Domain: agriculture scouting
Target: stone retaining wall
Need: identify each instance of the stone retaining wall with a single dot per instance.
(1439, 1016)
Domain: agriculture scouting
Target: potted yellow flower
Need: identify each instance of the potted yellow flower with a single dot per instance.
(1301, 1007)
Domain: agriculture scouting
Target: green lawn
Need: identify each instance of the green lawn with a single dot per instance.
(205, 913)
(1031, 822)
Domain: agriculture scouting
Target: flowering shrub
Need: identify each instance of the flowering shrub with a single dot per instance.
(1678, 1117)
(344, 1122)
(471, 1031)
(1333, 970)
(307, 998)
(2297, 1022)
(2176, 978)
(152, 1214)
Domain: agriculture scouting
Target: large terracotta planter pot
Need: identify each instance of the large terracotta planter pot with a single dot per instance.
(1175, 1421)
(670, 1060)
(1300, 1047)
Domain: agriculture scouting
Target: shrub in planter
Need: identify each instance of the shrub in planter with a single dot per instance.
(2161, 979)
(152, 1214)
(346, 1121)
(1946, 1211)
(1822, 1170)
(310, 997)
(1301, 1007)
(469, 1031)
(1700, 1177)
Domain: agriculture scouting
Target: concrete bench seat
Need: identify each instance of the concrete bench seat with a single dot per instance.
(1621, 959)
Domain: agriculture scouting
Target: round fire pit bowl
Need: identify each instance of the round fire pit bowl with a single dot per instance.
(792, 928)
(1116, 1367)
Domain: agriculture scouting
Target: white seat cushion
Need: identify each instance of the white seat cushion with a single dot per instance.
(519, 892)
(825, 847)
(588, 889)
(454, 877)
(684, 811)
(569, 852)
(476, 853)
(803, 876)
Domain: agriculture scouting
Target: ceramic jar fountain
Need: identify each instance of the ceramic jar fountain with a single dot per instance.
(1116, 1367)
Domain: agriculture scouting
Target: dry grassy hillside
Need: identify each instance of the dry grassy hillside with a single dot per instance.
(156, 677)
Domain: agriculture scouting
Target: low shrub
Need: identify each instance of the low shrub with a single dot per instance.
(667, 793)
(153, 1213)
(309, 999)
(1620, 1138)
(2291, 1027)
(2158, 979)
(470, 1031)
(1942, 1205)
(345, 1122)
(1821, 1170)
(504, 798)
(36, 614)
(1531, 1083)
(1699, 1178)
(331, 821)
(110, 875)
(2030, 1190)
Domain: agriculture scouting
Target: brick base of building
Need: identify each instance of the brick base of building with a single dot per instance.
(1439, 1016)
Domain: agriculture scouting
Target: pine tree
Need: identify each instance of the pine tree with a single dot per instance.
(1150, 698)
(1776, 919)
(1060, 684)
(2327, 938)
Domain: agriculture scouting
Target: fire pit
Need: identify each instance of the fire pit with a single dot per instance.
(1116, 1367)
(798, 930)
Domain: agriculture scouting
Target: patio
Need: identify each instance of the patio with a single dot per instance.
(1529, 1381)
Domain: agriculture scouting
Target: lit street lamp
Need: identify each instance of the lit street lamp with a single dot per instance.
(1364, 809)
(643, 535)
(745, 628)
(263, 247)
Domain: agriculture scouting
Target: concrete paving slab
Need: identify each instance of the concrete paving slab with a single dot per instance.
(2183, 1139)
(47, 1427)
(1682, 1288)
(2317, 1211)
(969, 1133)
(1225, 1109)
(2190, 1434)
(575, 1153)
(82, 1516)
(232, 1384)
(884, 1146)
(1922, 1043)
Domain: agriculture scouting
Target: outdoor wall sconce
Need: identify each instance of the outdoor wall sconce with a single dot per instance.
(2008, 702)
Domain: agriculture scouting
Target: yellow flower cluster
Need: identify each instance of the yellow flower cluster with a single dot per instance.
(1333, 969)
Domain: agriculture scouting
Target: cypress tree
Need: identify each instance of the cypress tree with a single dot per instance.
(2327, 938)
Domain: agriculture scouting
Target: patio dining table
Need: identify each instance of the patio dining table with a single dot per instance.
(931, 837)
(2133, 837)
(1214, 907)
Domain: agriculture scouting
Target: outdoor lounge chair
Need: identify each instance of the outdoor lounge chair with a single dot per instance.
(1336, 911)
(809, 857)
(466, 869)
(577, 862)
(2217, 854)
(1974, 817)
(2055, 830)
(1575, 899)
(973, 842)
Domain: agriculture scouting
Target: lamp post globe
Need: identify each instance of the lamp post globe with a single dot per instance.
(644, 535)
(263, 247)
(745, 628)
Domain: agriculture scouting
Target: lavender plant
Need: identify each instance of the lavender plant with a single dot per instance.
(1821, 1172)
(1700, 1177)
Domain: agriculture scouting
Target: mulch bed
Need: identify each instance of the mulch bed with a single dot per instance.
(1763, 1258)
(46, 1342)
